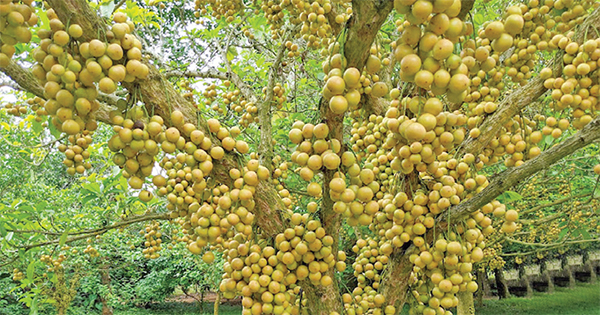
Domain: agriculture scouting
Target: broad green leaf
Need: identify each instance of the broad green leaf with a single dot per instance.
(509, 196)
(30, 270)
(34, 307)
(586, 235)
(93, 187)
(53, 129)
(63, 238)
(41, 206)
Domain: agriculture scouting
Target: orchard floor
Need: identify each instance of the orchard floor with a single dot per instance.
(582, 300)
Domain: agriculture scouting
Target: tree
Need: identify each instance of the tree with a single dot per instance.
(414, 106)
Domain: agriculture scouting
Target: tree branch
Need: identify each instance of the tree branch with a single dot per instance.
(503, 181)
(265, 147)
(93, 232)
(522, 97)
(246, 91)
(554, 203)
(550, 245)
(465, 8)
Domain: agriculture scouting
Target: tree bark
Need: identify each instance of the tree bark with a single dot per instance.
(466, 306)
(217, 303)
(501, 284)
(105, 280)
(361, 31)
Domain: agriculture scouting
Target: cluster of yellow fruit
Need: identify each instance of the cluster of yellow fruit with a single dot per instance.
(18, 275)
(53, 264)
(426, 57)
(135, 145)
(219, 8)
(16, 17)
(371, 259)
(35, 104)
(343, 88)
(293, 49)
(212, 212)
(362, 300)
(415, 134)
(278, 95)
(577, 88)
(69, 87)
(92, 251)
(267, 277)
(237, 104)
(210, 93)
(316, 28)
(152, 245)
(492, 260)
(437, 292)
(229, 213)
(189, 91)
(76, 153)
(518, 142)
(527, 29)
(314, 152)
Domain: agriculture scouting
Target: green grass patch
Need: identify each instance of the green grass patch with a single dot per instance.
(584, 299)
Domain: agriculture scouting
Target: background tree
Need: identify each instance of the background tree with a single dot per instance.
(416, 104)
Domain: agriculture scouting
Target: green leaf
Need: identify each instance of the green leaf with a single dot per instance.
(92, 187)
(34, 307)
(63, 238)
(41, 205)
(53, 129)
(36, 127)
(9, 236)
(30, 270)
(509, 196)
(586, 235)
(107, 9)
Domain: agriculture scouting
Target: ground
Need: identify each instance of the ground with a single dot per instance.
(582, 300)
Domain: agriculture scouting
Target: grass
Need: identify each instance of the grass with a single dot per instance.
(582, 300)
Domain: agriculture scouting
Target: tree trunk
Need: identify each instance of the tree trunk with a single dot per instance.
(105, 279)
(217, 303)
(484, 287)
(501, 284)
(466, 305)
(322, 300)
(201, 302)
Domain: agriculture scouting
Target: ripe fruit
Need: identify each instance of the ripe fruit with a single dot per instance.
(338, 104)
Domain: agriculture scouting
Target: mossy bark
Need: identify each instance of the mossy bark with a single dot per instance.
(466, 305)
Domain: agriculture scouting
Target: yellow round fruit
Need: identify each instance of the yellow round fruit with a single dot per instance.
(410, 64)
(338, 104)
